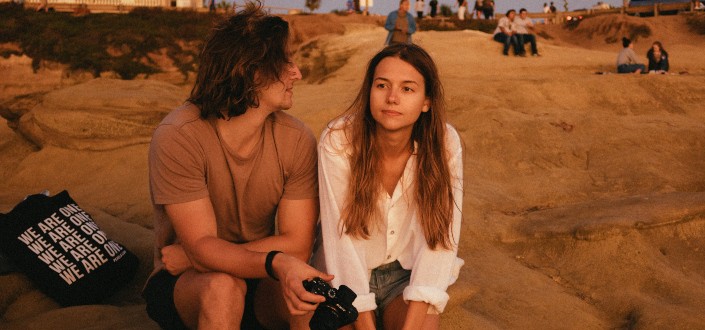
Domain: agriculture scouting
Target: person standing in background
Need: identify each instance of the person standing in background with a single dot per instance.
(477, 9)
(488, 9)
(419, 5)
(462, 8)
(400, 24)
(434, 7)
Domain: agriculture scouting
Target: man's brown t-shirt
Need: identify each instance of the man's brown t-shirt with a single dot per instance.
(188, 161)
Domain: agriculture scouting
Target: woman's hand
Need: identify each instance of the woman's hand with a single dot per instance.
(175, 259)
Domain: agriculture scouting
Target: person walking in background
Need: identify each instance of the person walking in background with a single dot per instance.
(505, 33)
(658, 58)
(391, 183)
(434, 7)
(462, 8)
(525, 32)
(552, 9)
(546, 8)
(477, 9)
(400, 24)
(222, 167)
(627, 61)
(488, 9)
(419, 6)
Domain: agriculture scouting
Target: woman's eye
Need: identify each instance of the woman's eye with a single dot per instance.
(381, 85)
(408, 89)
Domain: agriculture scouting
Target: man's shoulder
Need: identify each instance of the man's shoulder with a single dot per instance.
(289, 124)
(182, 122)
(185, 114)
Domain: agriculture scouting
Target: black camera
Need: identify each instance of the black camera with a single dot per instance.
(337, 310)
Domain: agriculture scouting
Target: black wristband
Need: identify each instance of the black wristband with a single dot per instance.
(268, 264)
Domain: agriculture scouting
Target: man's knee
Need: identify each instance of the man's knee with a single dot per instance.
(214, 295)
(221, 288)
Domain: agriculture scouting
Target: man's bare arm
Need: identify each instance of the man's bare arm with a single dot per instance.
(297, 227)
(195, 225)
(297, 221)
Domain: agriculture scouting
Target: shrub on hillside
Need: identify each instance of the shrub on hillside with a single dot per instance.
(697, 22)
(453, 24)
(446, 11)
(98, 43)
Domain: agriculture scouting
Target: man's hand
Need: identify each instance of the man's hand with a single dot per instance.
(291, 273)
(175, 259)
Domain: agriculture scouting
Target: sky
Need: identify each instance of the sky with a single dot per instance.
(382, 7)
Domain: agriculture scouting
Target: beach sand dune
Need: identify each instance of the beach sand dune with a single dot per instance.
(584, 200)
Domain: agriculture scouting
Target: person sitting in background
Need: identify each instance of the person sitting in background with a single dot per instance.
(505, 33)
(698, 5)
(658, 58)
(627, 61)
(524, 29)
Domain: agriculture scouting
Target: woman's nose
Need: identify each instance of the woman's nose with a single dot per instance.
(392, 97)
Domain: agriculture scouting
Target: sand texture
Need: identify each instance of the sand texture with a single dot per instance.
(584, 202)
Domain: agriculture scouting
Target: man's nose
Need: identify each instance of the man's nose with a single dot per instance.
(295, 72)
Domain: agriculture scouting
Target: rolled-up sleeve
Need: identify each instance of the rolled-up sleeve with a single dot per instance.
(434, 270)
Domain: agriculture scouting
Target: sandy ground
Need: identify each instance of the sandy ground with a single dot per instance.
(584, 197)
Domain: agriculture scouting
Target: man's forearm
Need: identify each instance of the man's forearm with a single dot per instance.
(299, 248)
(214, 254)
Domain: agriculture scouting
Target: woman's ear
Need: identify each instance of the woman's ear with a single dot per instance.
(426, 105)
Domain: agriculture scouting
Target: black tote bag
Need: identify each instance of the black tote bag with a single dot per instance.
(59, 247)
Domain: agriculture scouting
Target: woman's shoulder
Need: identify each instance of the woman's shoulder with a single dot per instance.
(335, 135)
(452, 136)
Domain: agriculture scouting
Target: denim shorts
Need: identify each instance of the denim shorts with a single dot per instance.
(388, 282)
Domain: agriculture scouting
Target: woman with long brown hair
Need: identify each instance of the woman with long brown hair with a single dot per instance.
(390, 182)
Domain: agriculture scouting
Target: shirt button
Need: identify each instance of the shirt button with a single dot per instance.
(392, 232)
